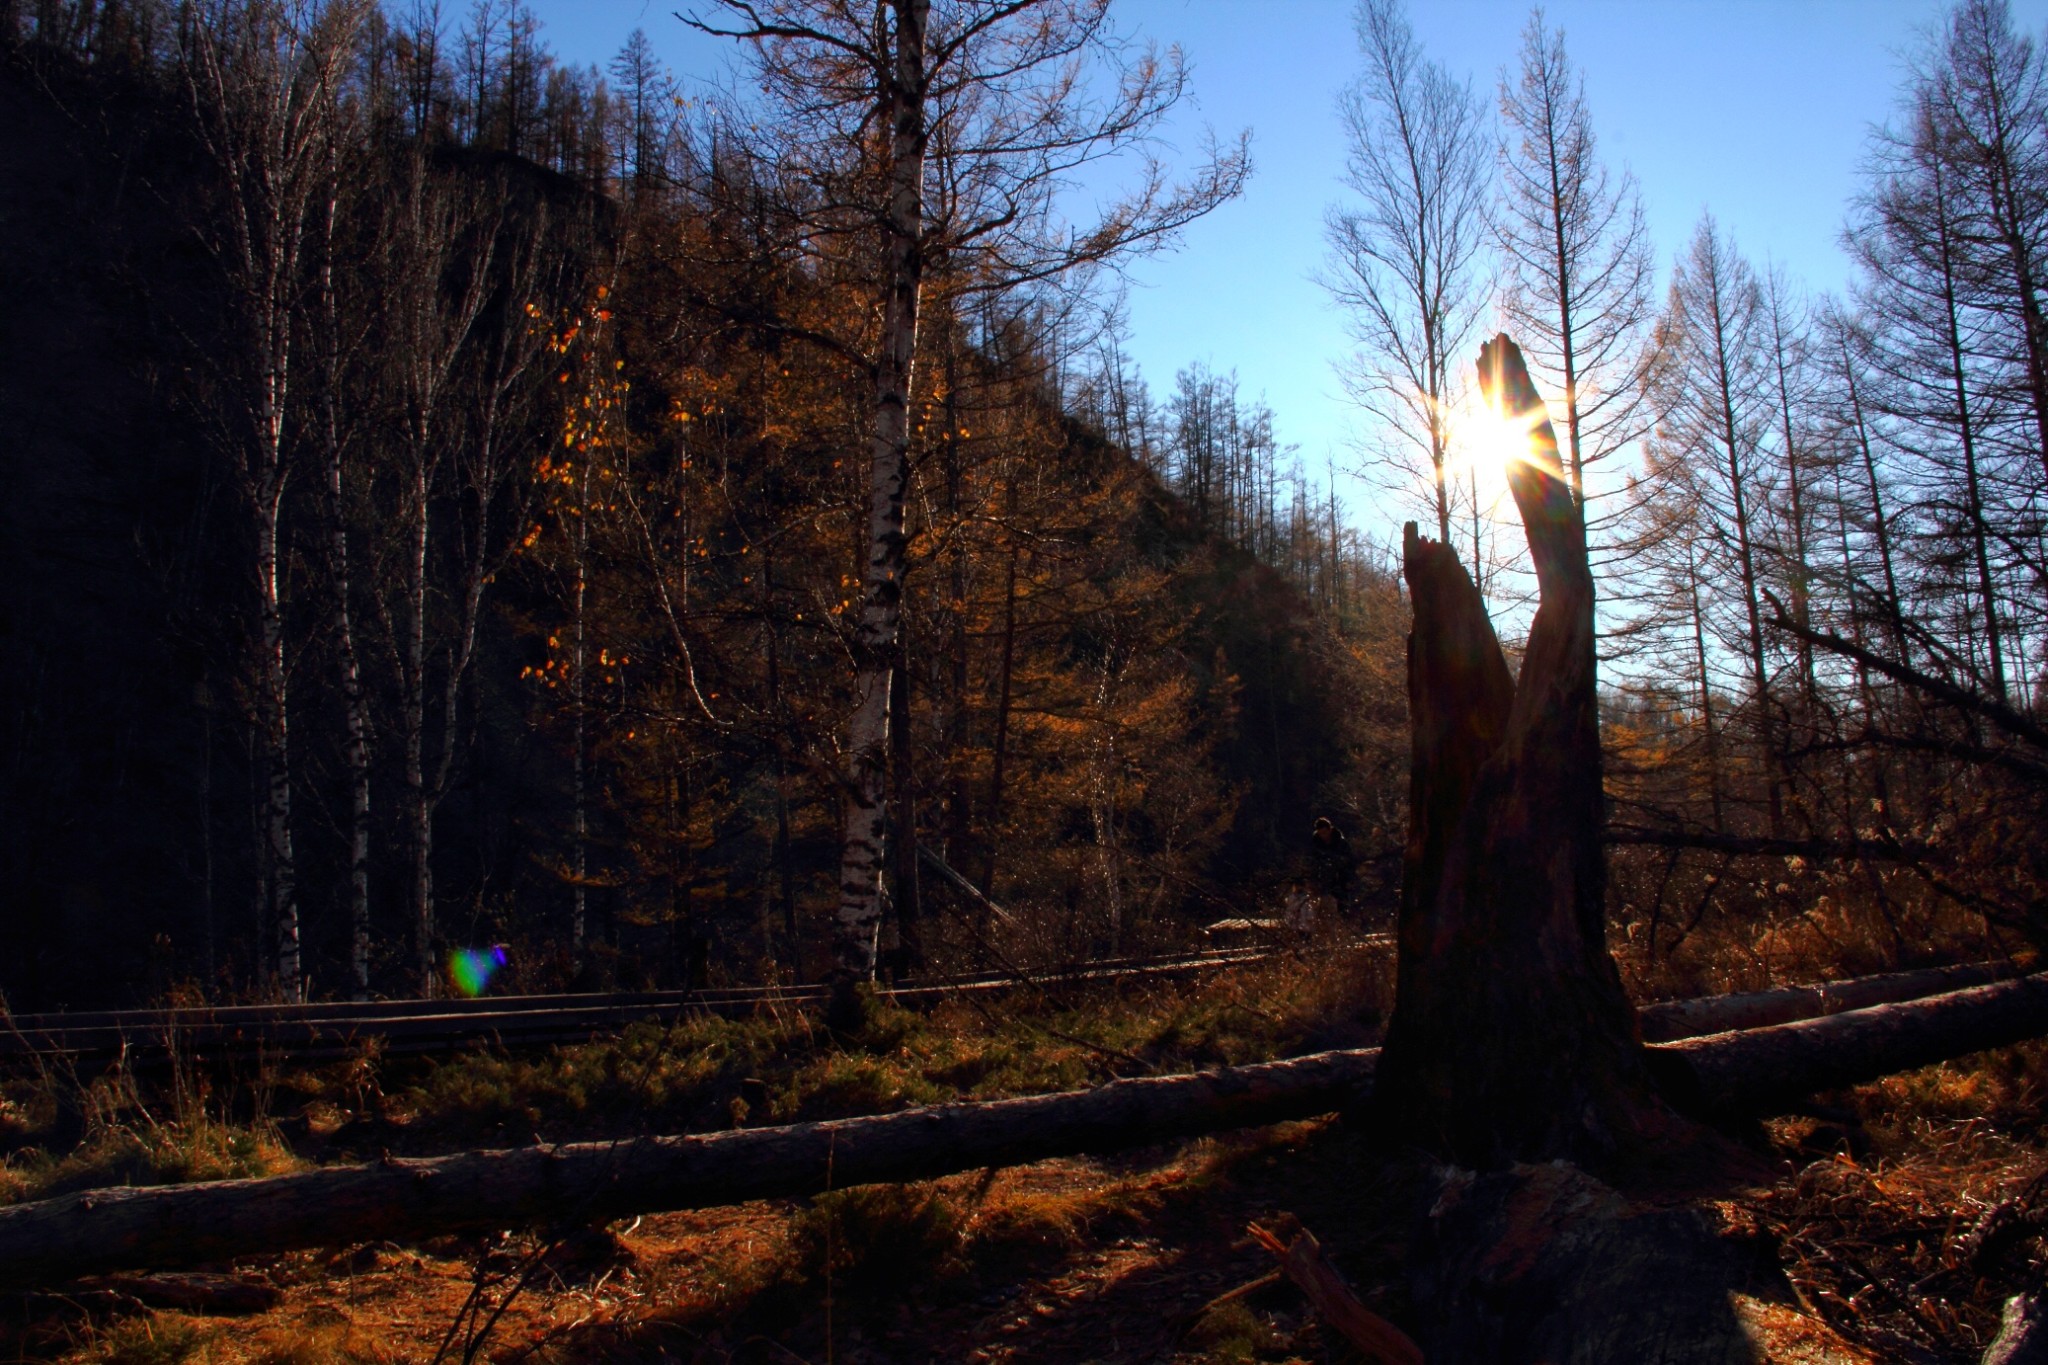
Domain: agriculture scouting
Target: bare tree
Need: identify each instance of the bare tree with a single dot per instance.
(340, 330)
(644, 87)
(1788, 337)
(1928, 347)
(264, 79)
(439, 261)
(939, 137)
(1576, 253)
(1711, 391)
(1985, 97)
(1405, 255)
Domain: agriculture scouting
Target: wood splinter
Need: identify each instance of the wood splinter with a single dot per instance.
(1302, 1261)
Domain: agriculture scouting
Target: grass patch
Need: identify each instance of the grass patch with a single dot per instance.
(323, 1344)
(700, 1074)
(157, 1339)
(1233, 1333)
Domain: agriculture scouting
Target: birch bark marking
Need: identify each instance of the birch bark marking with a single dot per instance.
(355, 704)
(875, 636)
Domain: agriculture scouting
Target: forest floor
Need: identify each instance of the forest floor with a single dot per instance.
(1900, 1221)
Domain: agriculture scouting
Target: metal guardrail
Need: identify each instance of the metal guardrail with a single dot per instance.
(335, 1029)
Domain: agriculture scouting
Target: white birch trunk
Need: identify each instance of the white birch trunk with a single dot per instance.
(419, 812)
(355, 705)
(273, 719)
(875, 634)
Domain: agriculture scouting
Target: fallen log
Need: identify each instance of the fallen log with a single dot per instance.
(1670, 1019)
(99, 1231)
(114, 1229)
(1760, 1070)
(314, 1032)
(1876, 850)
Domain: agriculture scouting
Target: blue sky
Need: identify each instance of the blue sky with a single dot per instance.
(1756, 109)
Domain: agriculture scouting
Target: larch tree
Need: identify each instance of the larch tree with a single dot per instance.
(1788, 338)
(1985, 96)
(1711, 392)
(1406, 252)
(1934, 381)
(934, 140)
(1575, 252)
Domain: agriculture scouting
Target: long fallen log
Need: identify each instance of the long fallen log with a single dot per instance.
(1694, 1018)
(334, 1029)
(167, 1227)
(1760, 1070)
(101, 1230)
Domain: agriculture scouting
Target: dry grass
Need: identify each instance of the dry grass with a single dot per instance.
(701, 1074)
(1908, 1227)
(1910, 1217)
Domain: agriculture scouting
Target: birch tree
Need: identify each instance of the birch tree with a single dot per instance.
(264, 79)
(936, 138)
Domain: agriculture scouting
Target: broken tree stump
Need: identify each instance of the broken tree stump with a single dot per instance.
(1544, 1265)
(1511, 1037)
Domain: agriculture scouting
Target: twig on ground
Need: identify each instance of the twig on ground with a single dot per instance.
(1301, 1260)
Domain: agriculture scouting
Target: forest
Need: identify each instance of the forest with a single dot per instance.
(486, 526)
(443, 499)
(463, 493)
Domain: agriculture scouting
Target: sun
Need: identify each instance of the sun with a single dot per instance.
(1484, 444)
(1491, 439)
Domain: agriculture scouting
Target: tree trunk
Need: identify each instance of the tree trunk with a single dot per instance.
(1511, 1037)
(273, 710)
(418, 817)
(1699, 645)
(875, 640)
(1005, 674)
(903, 821)
(333, 353)
(57, 1239)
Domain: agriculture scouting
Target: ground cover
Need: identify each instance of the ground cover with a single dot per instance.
(1902, 1213)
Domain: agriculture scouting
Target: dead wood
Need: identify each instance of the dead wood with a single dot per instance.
(1761, 1070)
(1302, 1261)
(101, 1231)
(1872, 850)
(1511, 1036)
(2022, 1335)
(217, 1295)
(1696, 1018)
(403, 1200)
(1538, 1264)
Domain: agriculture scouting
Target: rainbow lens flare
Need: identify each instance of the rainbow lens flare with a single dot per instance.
(471, 969)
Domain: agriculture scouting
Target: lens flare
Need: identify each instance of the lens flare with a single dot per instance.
(471, 969)
(1498, 440)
